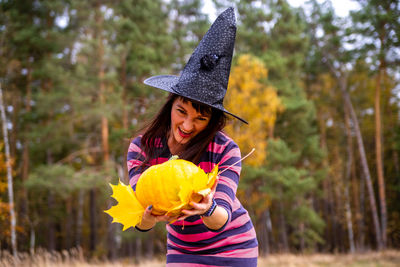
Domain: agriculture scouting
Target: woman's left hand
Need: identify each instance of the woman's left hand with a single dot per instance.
(201, 207)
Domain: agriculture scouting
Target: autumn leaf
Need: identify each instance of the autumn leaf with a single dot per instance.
(128, 211)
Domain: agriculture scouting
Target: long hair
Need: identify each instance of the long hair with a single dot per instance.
(160, 127)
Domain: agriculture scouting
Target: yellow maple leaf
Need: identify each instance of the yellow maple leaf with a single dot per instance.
(128, 211)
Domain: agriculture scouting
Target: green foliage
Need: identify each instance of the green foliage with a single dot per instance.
(64, 180)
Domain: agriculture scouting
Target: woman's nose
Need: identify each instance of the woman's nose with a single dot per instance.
(187, 125)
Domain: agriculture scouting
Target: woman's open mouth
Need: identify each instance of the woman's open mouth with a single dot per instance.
(184, 134)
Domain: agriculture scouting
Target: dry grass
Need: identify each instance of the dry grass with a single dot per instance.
(389, 258)
(75, 258)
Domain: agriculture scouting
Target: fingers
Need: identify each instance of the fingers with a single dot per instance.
(148, 216)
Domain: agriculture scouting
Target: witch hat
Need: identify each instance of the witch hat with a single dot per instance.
(205, 77)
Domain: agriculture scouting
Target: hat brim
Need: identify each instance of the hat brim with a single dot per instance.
(167, 82)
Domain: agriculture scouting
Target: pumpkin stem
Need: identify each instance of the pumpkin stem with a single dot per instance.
(173, 157)
(251, 152)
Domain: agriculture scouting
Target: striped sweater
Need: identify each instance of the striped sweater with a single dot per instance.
(235, 244)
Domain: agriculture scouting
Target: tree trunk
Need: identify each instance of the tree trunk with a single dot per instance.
(284, 244)
(361, 220)
(79, 219)
(336, 201)
(24, 215)
(347, 181)
(264, 235)
(68, 225)
(51, 235)
(363, 158)
(379, 159)
(150, 245)
(302, 241)
(125, 109)
(124, 92)
(93, 220)
(51, 224)
(32, 240)
(13, 219)
(16, 105)
(138, 251)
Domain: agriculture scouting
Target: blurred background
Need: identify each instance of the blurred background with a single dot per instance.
(318, 83)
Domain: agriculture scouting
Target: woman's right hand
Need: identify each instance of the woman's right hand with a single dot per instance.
(149, 220)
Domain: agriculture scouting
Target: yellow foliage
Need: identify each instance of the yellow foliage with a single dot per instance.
(169, 187)
(257, 102)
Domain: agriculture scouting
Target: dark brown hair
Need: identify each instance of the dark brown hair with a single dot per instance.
(160, 127)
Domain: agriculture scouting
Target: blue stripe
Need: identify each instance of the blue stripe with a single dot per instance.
(207, 260)
(193, 218)
(133, 172)
(231, 175)
(137, 141)
(230, 161)
(227, 190)
(239, 212)
(220, 139)
(189, 229)
(252, 243)
(135, 155)
(227, 233)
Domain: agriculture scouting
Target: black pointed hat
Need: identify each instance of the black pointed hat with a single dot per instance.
(205, 77)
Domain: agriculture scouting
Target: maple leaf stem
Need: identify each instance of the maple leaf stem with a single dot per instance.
(248, 154)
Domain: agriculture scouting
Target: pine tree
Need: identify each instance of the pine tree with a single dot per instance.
(378, 20)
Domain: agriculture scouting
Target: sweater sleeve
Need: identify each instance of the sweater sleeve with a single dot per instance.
(225, 194)
(135, 159)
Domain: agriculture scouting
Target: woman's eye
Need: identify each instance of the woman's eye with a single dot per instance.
(181, 111)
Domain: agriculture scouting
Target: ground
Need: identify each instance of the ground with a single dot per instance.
(389, 258)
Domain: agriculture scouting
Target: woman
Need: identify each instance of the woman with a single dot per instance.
(218, 230)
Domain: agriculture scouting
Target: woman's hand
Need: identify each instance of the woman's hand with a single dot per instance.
(199, 208)
(203, 206)
(218, 217)
(149, 220)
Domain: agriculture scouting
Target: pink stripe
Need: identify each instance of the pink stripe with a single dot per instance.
(134, 148)
(235, 205)
(182, 223)
(228, 182)
(192, 237)
(224, 242)
(223, 196)
(237, 253)
(157, 161)
(235, 169)
(235, 152)
(133, 163)
(217, 147)
(241, 220)
(134, 179)
(240, 253)
(206, 166)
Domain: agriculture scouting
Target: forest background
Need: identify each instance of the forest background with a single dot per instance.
(321, 94)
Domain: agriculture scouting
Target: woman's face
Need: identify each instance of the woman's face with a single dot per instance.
(186, 123)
